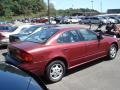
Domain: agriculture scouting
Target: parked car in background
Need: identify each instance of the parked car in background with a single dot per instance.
(100, 20)
(116, 18)
(9, 31)
(3, 29)
(93, 20)
(21, 36)
(63, 20)
(52, 21)
(5, 22)
(80, 19)
(111, 19)
(50, 52)
(72, 20)
(6, 27)
(12, 78)
(1, 37)
(85, 20)
(58, 19)
(39, 20)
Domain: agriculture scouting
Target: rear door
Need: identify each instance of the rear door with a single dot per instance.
(72, 46)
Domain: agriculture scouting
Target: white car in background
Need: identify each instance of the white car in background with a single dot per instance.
(98, 20)
(6, 34)
(112, 20)
(93, 20)
(28, 32)
(72, 20)
(52, 20)
(85, 20)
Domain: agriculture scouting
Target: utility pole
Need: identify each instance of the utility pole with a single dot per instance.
(92, 3)
(91, 6)
(49, 11)
(101, 6)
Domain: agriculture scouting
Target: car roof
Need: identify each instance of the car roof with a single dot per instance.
(68, 27)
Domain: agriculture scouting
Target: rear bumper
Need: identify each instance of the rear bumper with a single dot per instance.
(35, 68)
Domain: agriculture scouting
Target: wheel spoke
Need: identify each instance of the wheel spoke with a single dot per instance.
(113, 52)
(56, 71)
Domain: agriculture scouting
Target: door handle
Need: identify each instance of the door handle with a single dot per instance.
(65, 49)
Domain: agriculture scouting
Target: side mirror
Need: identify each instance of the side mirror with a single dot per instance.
(99, 36)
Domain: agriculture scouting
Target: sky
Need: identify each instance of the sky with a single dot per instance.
(106, 4)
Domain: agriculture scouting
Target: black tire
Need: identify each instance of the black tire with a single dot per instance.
(112, 52)
(49, 69)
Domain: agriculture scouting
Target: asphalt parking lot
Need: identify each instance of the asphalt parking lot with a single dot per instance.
(98, 75)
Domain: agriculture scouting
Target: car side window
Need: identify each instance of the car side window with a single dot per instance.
(95, 18)
(68, 37)
(5, 28)
(88, 35)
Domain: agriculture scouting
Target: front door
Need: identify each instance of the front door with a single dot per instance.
(92, 44)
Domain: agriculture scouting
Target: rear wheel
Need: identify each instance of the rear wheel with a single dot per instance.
(112, 52)
(55, 71)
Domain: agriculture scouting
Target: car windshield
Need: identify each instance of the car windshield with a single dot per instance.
(41, 36)
(29, 30)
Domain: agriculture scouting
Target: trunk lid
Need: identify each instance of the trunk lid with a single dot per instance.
(26, 46)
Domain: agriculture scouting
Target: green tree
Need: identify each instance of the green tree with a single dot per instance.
(21, 7)
(52, 10)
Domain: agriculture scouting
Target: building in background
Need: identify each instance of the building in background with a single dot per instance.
(113, 11)
(85, 13)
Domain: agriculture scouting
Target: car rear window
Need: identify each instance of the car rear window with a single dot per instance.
(29, 30)
(41, 36)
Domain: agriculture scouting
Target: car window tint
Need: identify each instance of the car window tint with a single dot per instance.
(88, 35)
(3, 28)
(29, 30)
(75, 36)
(95, 18)
(69, 36)
(41, 36)
(7, 28)
(13, 29)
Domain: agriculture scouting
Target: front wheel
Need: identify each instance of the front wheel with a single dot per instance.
(55, 71)
(112, 52)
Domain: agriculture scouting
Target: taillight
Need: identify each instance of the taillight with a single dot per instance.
(23, 56)
(1, 36)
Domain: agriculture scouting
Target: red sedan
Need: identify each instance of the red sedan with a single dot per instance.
(52, 51)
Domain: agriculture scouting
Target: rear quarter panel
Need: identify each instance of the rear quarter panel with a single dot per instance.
(111, 40)
(46, 55)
